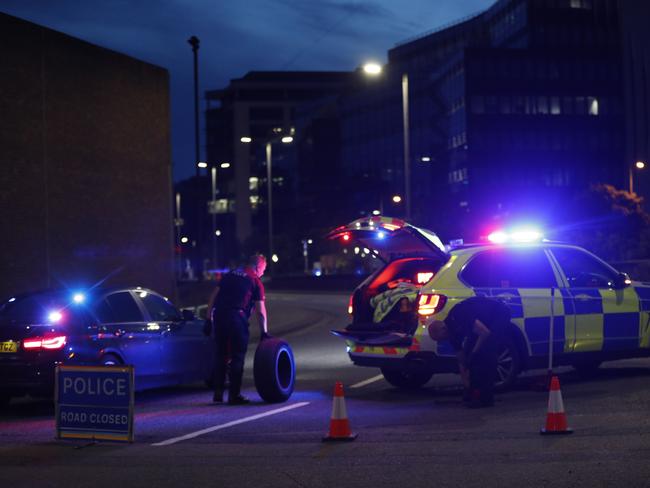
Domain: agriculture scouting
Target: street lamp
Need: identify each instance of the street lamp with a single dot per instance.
(194, 42)
(638, 165)
(305, 252)
(374, 69)
(269, 182)
(213, 209)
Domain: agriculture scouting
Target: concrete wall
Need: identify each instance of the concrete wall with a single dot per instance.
(85, 169)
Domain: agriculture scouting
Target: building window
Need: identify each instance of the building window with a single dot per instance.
(592, 104)
(478, 104)
(555, 106)
(586, 4)
(505, 105)
(542, 105)
(253, 183)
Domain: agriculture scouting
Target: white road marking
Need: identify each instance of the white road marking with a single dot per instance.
(368, 381)
(192, 435)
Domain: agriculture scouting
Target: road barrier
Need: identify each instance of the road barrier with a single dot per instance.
(339, 423)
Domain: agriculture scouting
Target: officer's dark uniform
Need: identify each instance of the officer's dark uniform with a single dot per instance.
(482, 364)
(238, 292)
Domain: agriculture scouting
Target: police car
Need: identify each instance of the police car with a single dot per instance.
(597, 313)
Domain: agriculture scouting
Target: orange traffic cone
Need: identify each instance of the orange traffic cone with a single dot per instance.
(339, 424)
(556, 422)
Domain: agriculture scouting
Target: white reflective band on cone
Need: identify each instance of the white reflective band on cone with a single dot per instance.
(338, 409)
(555, 404)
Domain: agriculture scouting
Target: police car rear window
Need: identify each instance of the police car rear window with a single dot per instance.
(509, 268)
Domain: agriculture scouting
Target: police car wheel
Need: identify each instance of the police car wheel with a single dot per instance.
(110, 360)
(508, 365)
(408, 379)
(274, 370)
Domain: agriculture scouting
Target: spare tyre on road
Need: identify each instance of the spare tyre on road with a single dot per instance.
(274, 370)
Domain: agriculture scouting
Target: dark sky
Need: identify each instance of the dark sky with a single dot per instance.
(238, 36)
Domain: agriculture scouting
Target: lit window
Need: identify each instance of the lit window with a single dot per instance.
(253, 183)
(555, 105)
(592, 103)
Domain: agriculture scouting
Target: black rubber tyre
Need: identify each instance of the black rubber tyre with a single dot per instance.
(110, 360)
(274, 370)
(508, 364)
(587, 367)
(407, 379)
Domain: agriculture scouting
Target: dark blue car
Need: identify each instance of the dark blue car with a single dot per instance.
(133, 326)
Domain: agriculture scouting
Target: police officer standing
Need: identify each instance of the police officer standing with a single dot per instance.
(239, 292)
(475, 327)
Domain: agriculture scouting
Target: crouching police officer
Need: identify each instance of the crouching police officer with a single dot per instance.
(239, 292)
(475, 328)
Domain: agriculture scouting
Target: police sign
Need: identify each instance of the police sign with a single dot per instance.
(94, 402)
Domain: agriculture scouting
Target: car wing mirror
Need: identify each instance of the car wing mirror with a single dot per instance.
(622, 281)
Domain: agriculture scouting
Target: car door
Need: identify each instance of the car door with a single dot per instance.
(522, 277)
(181, 341)
(606, 319)
(126, 333)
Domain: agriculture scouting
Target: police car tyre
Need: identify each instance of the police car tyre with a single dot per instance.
(407, 379)
(274, 370)
(508, 364)
(110, 360)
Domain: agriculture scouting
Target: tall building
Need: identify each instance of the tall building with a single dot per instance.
(85, 186)
(512, 112)
(244, 119)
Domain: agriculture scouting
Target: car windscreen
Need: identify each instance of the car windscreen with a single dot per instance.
(42, 308)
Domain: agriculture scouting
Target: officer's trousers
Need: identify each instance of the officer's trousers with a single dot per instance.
(231, 335)
(483, 372)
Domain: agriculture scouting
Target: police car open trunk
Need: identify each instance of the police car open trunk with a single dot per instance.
(384, 306)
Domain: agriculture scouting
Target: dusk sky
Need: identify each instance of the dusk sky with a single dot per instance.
(240, 36)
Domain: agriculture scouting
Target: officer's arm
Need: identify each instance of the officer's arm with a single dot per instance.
(482, 332)
(260, 312)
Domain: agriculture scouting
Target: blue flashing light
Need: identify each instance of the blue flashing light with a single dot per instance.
(381, 235)
(520, 235)
(78, 298)
(54, 316)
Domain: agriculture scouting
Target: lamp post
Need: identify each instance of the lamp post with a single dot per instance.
(305, 253)
(374, 69)
(194, 42)
(269, 183)
(178, 223)
(638, 165)
(213, 208)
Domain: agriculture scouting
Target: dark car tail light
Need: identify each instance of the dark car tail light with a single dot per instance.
(430, 303)
(38, 343)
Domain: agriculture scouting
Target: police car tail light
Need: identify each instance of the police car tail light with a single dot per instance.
(430, 303)
(350, 307)
(37, 343)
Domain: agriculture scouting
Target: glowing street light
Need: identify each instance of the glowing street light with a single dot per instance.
(397, 199)
(638, 165)
(287, 139)
(202, 164)
(224, 165)
(372, 68)
(246, 139)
